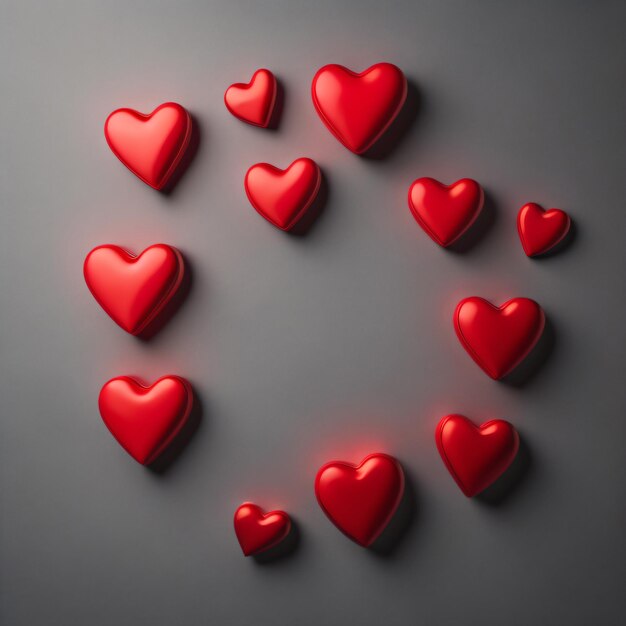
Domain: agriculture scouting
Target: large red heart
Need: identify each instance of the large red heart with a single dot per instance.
(361, 499)
(539, 230)
(145, 420)
(253, 102)
(476, 456)
(358, 108)
(258, 531)
(445, 212)
(282, 197)
(150, 146)
(498, 338)
(133, 290)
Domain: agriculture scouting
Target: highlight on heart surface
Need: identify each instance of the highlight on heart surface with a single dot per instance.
(145, 419)
(132, 289)
(445, 212)
(150, 145)
(253, 102)
(361, 499)
(357, 108)
(283, 197)
(258, 531)
(476, 456)
(498, 338)
(540, 231)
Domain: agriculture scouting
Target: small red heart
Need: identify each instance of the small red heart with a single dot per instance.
(361, 499)
(476, 456)
(133, 290)
(150, 146)
(539, 230)
(253, 102)
(145, 420)
(358, 108)
(445, 212)
(258, 531)
(282, 197)
(498, 338)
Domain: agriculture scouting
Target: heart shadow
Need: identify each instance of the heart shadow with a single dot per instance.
(171, 308)
(530, 366)
(499, 492)
(388, 542)
(279, 105)
(479, 229)
(283, 549)
(188, 157)
(165, 460)
(399, 128)
(314, 212)
(564, 244)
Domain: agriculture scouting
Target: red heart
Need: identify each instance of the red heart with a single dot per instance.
(150, 146)
(133, 290)
(258, 531)
(253, 102)
(358, 108)
(282, 197)
(541, 230)
(361, 500)
(445, 212)
(145, 420)
(476, 456)
(498, 338)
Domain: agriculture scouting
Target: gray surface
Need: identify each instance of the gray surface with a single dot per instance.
(304, 349)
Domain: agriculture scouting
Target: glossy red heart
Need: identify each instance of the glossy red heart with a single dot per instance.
(282, 197)
(498, 338)
(133, 290)
(258, 531)
(361, 499)
(145, 420)
(539, 230)
(476, 456)
(150, 146)
(253, 102)
(445, 212)
(358, 108)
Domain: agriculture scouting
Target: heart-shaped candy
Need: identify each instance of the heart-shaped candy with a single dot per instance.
(133, 290)
(498, 338)
(253, 102)
(358, 108)
(476, 456)
(150, 146)
(445, 212)
(539, 230)
(145, 420)
(258, 531)
(361, 499)
(282, 197)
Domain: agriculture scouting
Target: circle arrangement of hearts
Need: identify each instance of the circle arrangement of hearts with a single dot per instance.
(359, 498)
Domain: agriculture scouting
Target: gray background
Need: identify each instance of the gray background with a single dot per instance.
(305, 349)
